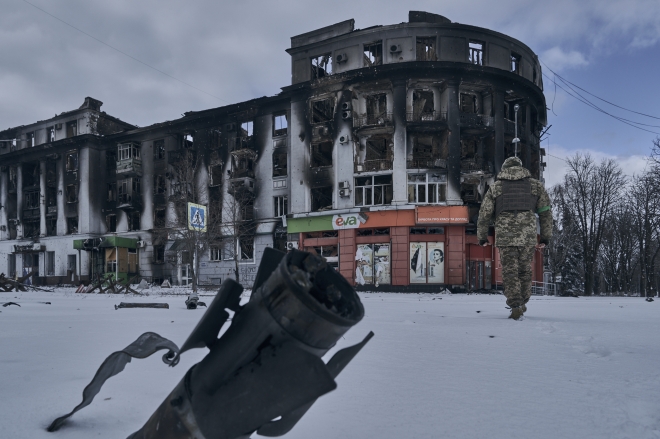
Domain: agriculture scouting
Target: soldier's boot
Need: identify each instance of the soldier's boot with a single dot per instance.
(516, 313)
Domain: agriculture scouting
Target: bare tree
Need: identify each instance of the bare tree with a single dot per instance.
(590, 191)
(645, 203)
(619, 255)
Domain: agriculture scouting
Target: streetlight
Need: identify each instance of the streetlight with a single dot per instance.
(516, 139)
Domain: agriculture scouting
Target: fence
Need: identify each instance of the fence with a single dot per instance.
(538, 288)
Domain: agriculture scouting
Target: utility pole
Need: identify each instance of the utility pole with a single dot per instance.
(516, 140)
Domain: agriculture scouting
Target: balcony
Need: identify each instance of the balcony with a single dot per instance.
(433, 116)
(362, 120)
(30, 213)
(129, 202)
(471, 120)
(241, 173)
(241, 185)
(129, 167)
(510, 128)
(241, 142)
(474, 165)
(374, 165)
(426, 164)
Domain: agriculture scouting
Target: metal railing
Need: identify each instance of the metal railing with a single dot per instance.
(476, 120)
(382, 119)
(374, 165)
(421, 116)
(473, 165)
(538, 288)
(426, 164)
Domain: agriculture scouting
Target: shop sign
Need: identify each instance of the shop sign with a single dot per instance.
(442, 215)
(348, 221)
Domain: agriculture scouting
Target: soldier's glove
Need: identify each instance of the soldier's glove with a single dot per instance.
(544, 242)
(483, 242)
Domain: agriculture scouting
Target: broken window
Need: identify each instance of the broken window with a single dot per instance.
(111, 160)
(160, 184)
(159, 254)
(229, 250)
(428, 152)
(321, 198)
(322, 66)
(246, 244)
(128, 190)
(187, 141)
(323, 110)
(373, 190)
(378, 154)
(242, 163)
(423, 106)
(247, 129)
(30, 175)
(72, 128)
(321, 154)
(247, 209)
(215, 253)
(112, 191)
(215, 175)
(515, 62)
(469, 147)
(373, 54)
(280, 162)
(134, 221)
(159, 149)
(426, 49)
(377, 109)
(51, 226)
(31, 200)
(128, 151)
(50, 134)
(111, 223)
(159, 218)
(29, 139)
(13, 178)
(31, 228)
(476, 55)
(280, 124)
(72, 161)
(468, 103)
(281, 206)
(72, 193)
(51, 199)
(428, 187)
(11, 265)
(72, 225)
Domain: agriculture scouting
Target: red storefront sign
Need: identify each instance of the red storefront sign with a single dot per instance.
(441, 215)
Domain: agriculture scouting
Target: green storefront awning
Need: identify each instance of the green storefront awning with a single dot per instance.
(104, 242)
(309, 224)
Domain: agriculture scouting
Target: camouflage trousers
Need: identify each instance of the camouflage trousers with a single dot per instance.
(517, 274)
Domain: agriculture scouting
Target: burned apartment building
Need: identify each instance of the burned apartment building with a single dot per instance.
(377, 157)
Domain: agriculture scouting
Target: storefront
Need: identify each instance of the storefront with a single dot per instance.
(110, 256)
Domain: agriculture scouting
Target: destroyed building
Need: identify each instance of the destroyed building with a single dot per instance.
(377, 157)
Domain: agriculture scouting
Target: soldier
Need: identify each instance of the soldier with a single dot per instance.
(514, 200)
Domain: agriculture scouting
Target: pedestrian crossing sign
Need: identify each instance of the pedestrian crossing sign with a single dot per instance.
(197, 217)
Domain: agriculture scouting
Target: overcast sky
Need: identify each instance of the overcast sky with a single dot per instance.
(235, 51)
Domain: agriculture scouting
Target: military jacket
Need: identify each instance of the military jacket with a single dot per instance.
(515, 228)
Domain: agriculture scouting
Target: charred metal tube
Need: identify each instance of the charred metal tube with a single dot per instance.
(268, 363)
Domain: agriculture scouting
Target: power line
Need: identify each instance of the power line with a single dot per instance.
(122, 52)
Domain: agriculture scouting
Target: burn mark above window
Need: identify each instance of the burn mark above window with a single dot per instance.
(476, 55)
(321, 154)
(322, 110)
(322, 66)
(426, 49)
(373, 54)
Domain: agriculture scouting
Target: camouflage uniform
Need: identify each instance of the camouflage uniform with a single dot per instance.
(515, 231)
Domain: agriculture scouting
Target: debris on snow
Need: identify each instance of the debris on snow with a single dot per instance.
(142, 305)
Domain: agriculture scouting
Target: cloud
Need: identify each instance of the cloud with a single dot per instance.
(557, 167)
(557, 59)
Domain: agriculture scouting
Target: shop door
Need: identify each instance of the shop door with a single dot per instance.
(186, 272)
(427, 262)
(475, 275)
(372, 264)
(31, 263)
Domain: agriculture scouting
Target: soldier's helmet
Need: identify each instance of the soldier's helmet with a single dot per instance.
(511, 162)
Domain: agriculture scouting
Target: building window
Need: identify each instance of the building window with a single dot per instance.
(280, 162)
(72, 193)
(426, 188)
(72, 225)
(477, 53)
(128, 151)
(322, 110)
(72, 161)
(11, 265)
(280, 124)
(50, 263)
(281, 206)
(134, 221)
(216, 253)
(321, 154)
(373, 54)
(112, 191)
(247, 129)
(111, 161)
(246, 248)
(160, 185)
(376, 109)
(426, 49)
(322, 66)
(159, 149)
(72, 128)
(29, 139)
(515, 63)
(321, 198)
(373, 190)
(215, 175)
(468, 103)
(31, 200)
(159, 254)
(159, 218)
(229, 249)
(128, 190)
(50, 134)
(111, 223)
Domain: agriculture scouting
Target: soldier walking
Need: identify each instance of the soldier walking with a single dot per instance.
(514, 201)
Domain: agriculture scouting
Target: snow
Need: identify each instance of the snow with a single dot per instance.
(436, 368)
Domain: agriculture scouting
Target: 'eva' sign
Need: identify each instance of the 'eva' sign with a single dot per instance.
(340, 222)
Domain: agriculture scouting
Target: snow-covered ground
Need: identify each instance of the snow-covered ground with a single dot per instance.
(439, 366)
